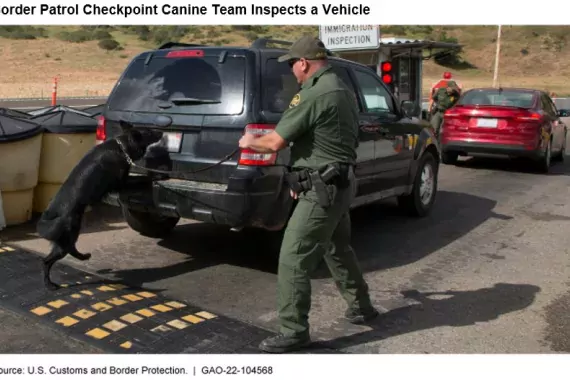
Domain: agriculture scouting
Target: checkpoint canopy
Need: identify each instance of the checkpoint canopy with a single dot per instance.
(397, 60)
(94, 111)
(14, 129)
(62, 119)
(14, 113)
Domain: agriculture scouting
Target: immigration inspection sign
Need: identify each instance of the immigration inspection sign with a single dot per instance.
(350, 37)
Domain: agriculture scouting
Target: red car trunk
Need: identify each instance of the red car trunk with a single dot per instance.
(493, 124)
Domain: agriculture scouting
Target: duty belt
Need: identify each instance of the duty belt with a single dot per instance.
(326, 181)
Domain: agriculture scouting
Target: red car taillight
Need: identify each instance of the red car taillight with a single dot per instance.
(252, 158)
(529, 116)
(101, 134)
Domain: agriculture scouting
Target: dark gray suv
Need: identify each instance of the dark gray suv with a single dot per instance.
(211, 95)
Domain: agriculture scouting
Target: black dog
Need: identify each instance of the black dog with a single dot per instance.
(102, 170)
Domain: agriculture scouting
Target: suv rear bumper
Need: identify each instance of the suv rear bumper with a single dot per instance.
(254, 197)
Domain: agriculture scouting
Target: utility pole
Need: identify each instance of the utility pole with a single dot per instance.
(495, 75)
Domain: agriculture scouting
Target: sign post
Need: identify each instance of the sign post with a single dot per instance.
(350, 37)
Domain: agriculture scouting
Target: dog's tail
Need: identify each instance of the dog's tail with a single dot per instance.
(49, 225)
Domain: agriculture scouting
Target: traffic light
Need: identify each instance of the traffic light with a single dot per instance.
(386, 72)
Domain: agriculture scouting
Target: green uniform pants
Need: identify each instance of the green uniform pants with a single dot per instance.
(312, 234)
(436, 121)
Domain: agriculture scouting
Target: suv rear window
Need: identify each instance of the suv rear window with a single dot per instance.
(499, 98)
(144, 87)
(279, 86)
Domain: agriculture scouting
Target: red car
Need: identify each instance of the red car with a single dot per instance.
(507, 121)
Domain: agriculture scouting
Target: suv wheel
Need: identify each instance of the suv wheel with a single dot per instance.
(147, 224)
(449, 158)
(420, 201)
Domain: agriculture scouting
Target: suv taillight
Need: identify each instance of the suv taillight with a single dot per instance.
(101, 134)
(252, 158)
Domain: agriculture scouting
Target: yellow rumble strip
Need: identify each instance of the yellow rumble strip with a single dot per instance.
(113, 317)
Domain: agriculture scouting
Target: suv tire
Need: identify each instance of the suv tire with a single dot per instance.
(147, 224)
(449, 158)
(420, 201)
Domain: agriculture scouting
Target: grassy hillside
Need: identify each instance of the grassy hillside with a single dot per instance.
(88, 60)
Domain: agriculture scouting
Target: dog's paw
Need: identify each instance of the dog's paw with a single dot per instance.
(52, 287)
(85, 256)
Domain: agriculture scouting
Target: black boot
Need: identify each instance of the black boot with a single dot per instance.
(280, 344)
(358, 317)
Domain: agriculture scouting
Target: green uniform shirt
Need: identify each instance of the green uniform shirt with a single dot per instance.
(321, 122)
(445, 100)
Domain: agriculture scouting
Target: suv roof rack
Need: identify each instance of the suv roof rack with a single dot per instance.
(262, 43)
(169, 45)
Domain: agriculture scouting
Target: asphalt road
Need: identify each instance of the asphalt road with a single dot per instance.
(487, 272)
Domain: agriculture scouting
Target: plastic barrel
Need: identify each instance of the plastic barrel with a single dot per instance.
(20, 149)
(68, 136)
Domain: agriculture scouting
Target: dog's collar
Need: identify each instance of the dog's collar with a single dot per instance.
(125, 153)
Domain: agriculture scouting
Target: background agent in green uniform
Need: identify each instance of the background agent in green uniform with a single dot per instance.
(322, 122)
(443, 99)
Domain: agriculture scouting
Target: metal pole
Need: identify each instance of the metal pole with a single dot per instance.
(496, 74)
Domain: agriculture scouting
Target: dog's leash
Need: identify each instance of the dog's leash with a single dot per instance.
(132, 163)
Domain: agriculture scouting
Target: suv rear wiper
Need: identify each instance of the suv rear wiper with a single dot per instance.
(194, 101)
(178, 101)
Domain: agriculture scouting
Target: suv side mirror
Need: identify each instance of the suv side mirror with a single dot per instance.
(408, 108)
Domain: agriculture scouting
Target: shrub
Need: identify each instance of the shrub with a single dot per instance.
(101, 35)
(108, 44)
(18, 32)
(76, 36)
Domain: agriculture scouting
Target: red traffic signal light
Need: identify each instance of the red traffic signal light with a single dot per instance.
(386, 67)
(386, 72)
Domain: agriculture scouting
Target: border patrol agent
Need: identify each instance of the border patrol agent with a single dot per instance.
(444, 96)
(322, 124)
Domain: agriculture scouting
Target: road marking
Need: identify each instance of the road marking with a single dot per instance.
(98, 333)
(84, 314)
(8, 249)
(192, 319)
(87, 292)
(126, 345)
(67, 321)
(206, 315)
(57, 304)
(161, 308)
(146, 312)
(101, 306)
(178, 324)
(117, 301)
(175, 304)
(146, 294)
(161, 328)
(106, 289)
(41, 310)
(114, 325)
(131, 318)
(132, 297)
